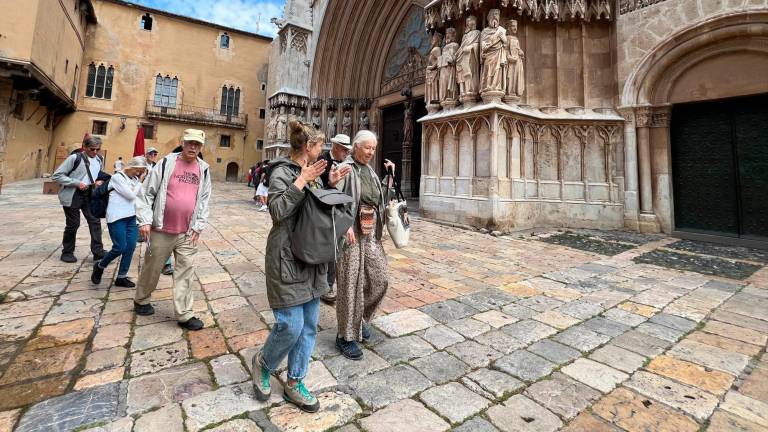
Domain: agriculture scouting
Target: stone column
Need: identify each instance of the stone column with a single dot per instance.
(648, 222)
(631, 198)
(661, 162)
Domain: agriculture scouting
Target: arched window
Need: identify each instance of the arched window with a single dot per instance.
(100, 81)
(146, 22)
(101, 76)
(165, 91)
(230, 100)
(224, 40)
(108, 83)
(91, 80)
(223, 100)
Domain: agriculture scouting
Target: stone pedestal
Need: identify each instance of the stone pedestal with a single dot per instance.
(492, 96)
(449, 104)
(501, 167)
(469, 100)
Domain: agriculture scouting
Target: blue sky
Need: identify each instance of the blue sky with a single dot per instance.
(248, 15)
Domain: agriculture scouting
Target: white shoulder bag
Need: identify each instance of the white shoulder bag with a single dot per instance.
(398, 223)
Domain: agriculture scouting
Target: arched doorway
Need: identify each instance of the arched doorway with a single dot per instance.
(232, 172)
(700, 132)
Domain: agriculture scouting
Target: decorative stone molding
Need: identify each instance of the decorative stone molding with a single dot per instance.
(299, 40)
(331, 104)
(438, 13)
(627, 6)
(347, 104)
(364, 103)
(643, 116)
(317, 103)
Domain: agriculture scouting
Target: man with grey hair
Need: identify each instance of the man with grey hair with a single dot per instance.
(77, 175)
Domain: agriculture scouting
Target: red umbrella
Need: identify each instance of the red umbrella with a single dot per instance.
(138, 145)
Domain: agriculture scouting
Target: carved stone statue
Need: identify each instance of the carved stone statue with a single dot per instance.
(468, 61)
(365, 122)
(515, 61)
(302, 116)
(448, 88)
(272, 126)
(408, 123)
(331, 124)
(316, 119)
(432, 91)
(493, 55)
(293, 112)
(346, 124)
(282, 126)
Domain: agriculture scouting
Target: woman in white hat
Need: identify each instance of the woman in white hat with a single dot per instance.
(124, 186)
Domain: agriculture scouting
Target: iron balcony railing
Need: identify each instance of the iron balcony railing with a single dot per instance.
(196, 115)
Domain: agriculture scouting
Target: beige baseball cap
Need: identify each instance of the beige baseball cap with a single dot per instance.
(194, 135)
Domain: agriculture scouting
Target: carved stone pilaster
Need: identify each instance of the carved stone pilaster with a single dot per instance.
(660, 117)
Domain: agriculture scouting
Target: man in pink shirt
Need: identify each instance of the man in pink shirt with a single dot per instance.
(172, 212)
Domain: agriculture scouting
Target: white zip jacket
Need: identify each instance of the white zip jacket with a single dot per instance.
(150, 206)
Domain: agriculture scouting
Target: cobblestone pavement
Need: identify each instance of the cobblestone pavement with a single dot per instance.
(578, 331)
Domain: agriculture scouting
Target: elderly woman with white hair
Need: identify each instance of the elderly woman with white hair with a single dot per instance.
(361, 270)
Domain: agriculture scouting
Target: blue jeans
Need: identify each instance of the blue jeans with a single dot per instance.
(293, 335)
(123, 233)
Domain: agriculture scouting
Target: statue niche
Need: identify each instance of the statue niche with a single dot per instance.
(448, 87)
(282, 126)
(493, 54)
(316, 119)
(365, 122)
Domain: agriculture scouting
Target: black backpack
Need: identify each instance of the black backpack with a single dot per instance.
(320, 225)
(100, 199)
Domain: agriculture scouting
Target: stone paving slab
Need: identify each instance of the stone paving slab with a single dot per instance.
(469, 321)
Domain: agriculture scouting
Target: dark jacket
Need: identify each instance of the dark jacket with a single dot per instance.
(290, 282)
(351, 186)
(326, 156)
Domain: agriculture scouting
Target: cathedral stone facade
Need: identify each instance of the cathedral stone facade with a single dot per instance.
(515, 114)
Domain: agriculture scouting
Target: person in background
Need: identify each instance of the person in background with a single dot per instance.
(119, 164)
(151, 157)
(124, 186)
(172, 211)
(77, 174)
(293, 287)
(361, 269)
(340, 148)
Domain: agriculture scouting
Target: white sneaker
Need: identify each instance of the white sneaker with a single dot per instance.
(263, 209)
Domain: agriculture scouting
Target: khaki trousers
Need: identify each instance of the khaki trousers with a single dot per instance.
(160, 249)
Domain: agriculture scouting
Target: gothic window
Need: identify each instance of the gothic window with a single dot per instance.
(224, 41)
(230, 101)
(166, 89)
(100, 81)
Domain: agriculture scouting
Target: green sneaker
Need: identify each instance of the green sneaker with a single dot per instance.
(301, 397)
(260, 376)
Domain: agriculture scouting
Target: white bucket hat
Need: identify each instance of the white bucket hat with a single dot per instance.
(136, 162)
(342, 140)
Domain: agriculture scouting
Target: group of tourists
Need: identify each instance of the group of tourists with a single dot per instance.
(168, 209)
(257, 177)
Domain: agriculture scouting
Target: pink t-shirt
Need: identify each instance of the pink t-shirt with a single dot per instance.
(181, 196)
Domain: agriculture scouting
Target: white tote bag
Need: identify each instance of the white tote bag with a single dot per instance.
(398, 223)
